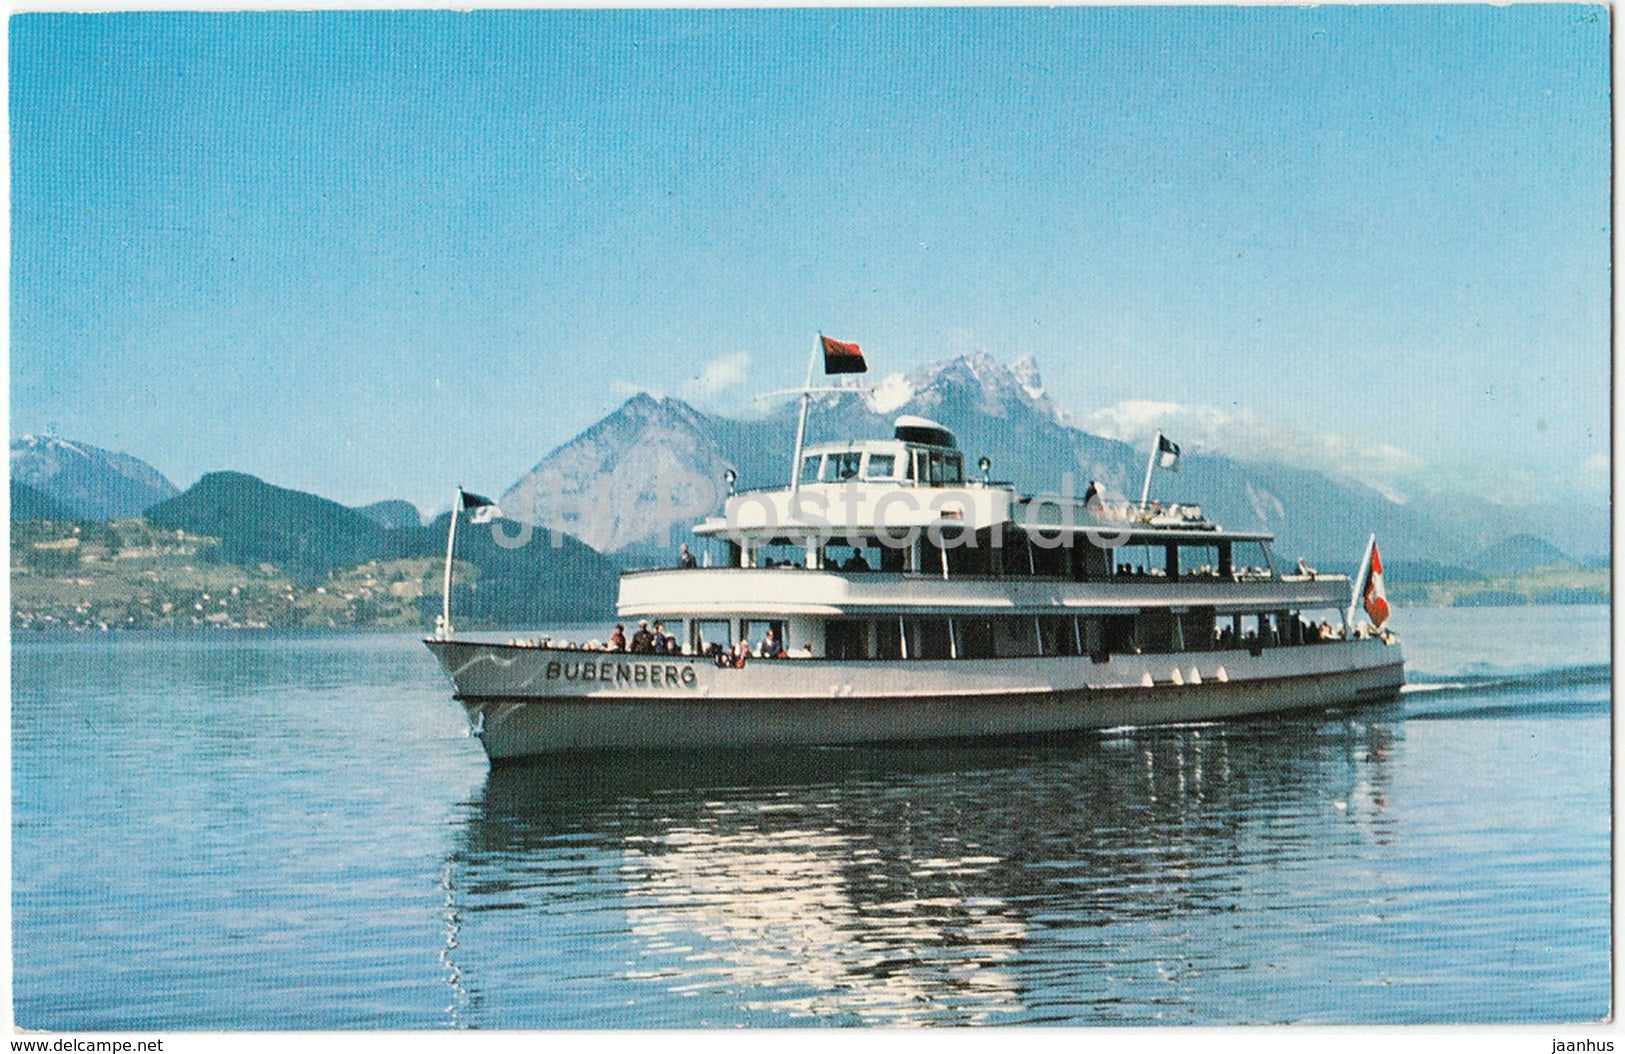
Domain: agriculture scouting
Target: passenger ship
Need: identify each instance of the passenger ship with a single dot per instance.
(915, 602)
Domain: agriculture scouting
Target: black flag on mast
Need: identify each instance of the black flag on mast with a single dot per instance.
(484, 509)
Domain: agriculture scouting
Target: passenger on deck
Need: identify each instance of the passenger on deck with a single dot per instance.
(1304, 568)
(617, 640)
(685, 559)
(1091, 498)
(771, 647)
(741, 651)
(856, 562)
(642, 641)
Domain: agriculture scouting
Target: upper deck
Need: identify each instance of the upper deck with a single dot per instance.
(882, 490)
(894, 525)
(797, 591)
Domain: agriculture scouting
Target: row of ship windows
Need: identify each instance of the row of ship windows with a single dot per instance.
(1009, 636)
(1015, 555)
(935, 467)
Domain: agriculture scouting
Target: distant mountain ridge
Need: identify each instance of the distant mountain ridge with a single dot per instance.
(257, 523)
(309, 537)
(637, 479)
(1520, 552)
(666, 456)
(392, 515)
(95, 484)
(30, 504)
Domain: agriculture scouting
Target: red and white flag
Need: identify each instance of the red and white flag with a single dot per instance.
(1376, 601)
(841, 357)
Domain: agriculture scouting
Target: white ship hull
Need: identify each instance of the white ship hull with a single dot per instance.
(524, 701)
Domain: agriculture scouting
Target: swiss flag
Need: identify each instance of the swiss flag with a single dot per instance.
(840, 357)
(1376, 601)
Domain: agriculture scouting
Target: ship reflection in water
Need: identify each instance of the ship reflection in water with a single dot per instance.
(1203, 874)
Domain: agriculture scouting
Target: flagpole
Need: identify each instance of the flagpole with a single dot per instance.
(1359, 582)
(445, 589)
(1145, 491)
(801, 423)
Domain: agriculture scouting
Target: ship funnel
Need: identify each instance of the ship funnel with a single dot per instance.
(911, 429)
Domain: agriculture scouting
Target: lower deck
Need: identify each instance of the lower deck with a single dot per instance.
(915, 637)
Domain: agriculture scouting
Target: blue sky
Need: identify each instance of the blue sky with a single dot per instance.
(372, 254)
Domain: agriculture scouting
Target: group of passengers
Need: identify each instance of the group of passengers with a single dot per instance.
(771, 647)
(645, 641)
(1306, 632)
(855, 562)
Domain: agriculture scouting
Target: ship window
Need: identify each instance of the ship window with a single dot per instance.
(846, 639)
(1015, 636)
(1245, 555)
(841, 466)
(1092, 561)
(1118, 634)
(975, 637)
(953, 469)
(781, 554)
(1158, 630)
(1198, 560)
(970, 554)
(935, 471)
(1016, 554)
(1058, 635)
(928, 638)
(756, 630)
(1094, 642)
(881, 466)
(839, 557)
(809, 468)
(1199, 626)
(1049, 558)
(709, 634)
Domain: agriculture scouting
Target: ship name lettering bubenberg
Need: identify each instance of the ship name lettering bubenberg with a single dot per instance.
(652, 675)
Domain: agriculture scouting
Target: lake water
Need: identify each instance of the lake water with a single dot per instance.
(270, 832)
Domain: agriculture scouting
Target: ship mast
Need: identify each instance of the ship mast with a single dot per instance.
(801, 422)
(838, 358)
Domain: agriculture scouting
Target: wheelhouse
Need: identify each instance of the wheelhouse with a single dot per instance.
(921, 453)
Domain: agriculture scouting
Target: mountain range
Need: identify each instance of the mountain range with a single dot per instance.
(95, 484)
(309, 538)
(631, 485)
(635, 481)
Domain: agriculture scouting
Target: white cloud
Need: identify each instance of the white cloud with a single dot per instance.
(890, 393)
(626, 389)
(1241, 434)
(720, 374)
